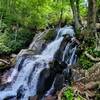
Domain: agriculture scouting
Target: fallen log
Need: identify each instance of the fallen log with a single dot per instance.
(91, 57)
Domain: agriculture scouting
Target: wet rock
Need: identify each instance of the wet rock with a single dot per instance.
(59, 54)
(10, 98)
(67, 72)
(43, 82)
(50, 98)
(59, 81)
(33, 98)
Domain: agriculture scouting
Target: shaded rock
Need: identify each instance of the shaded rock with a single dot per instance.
(59, 54)
(33, 98)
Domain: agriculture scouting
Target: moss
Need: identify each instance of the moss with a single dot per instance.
(50, 35)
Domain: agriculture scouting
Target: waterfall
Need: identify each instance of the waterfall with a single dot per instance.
(27, 69)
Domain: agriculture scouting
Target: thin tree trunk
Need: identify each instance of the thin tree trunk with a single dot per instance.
(78, 11)
(61, 15)
(75, 14)
(60, 19)
(92, 16)
(92, 22)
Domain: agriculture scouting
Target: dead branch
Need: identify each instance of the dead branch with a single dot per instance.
(91, 57)
(4, 61)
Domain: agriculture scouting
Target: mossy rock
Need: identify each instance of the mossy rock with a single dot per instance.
(50, 35)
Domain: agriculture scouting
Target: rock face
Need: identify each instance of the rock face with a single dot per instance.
(40, 39)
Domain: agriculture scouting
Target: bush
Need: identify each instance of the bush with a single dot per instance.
(12, 42)
(84, 62)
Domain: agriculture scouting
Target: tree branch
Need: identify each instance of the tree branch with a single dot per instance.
(91, 57)
(4, 61)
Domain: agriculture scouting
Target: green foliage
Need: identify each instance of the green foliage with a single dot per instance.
(28, 15)
(12, 41)
(89, 41)
(93, 52)
(31, 15)
(84, 62)
(68, 94)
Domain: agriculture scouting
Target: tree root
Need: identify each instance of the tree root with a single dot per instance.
(91, 57)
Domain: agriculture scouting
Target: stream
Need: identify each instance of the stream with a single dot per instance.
(29, 72)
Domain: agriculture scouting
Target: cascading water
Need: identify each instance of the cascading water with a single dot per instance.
(27, 71)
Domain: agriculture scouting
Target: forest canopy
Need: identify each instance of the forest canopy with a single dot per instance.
(20, 19)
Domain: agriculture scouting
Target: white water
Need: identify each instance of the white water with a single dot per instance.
(28, 76)
(27, 67)
(67, 30)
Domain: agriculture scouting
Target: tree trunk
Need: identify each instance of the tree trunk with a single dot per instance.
(92, 22)
(92, 16)
(61, 15)
(75, 9)
(78, 11)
